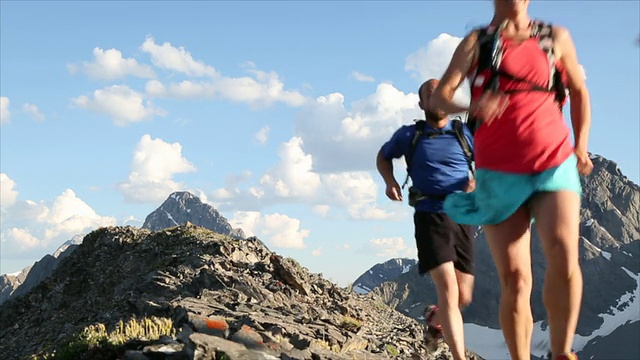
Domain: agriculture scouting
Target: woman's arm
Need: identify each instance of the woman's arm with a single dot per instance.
(463, 58)
(578, 93)
(489, 106)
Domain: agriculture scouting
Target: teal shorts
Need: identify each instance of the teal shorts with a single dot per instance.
(498, 194)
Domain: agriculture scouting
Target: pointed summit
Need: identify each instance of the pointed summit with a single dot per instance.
(182, 207)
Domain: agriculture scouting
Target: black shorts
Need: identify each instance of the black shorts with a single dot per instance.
(440, 240)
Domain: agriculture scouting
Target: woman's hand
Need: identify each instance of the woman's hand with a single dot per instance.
(490, 106)
(585, 166)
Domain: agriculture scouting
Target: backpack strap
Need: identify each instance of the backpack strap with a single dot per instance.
(412, 148)
(489, 58)
(544, 32)
(464, 143)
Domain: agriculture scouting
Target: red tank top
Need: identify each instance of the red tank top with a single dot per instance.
(531, 135)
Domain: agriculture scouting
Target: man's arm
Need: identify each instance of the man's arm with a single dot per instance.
(385, 168)
(579, 97)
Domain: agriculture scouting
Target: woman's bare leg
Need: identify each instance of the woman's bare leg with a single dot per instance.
(558, 223)
(510, 244)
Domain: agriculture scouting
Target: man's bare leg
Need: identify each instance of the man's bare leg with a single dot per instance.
(449, 314)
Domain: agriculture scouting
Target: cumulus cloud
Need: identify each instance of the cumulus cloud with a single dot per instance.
(321, 210)
(432, 61)
(121, 103)
(317, 252)
(293, 179)
(5, 114)
(154, 164)
(277, 230)
(341, 139)
(263, 89)
(8, 193)
(263, 134)
(258, 89)
(356, 192)
(389, 247)
(292, 176)
(362, 77)
(109, 64)
(33, 111)
(169, 57)
(30, 228)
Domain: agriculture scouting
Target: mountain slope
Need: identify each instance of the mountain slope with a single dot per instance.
(13, 286)
(609, 256)
(220, 293)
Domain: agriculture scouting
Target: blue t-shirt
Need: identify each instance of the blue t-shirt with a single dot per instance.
(439, 166)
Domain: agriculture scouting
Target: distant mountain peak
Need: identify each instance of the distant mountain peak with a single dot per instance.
(382, 272)
(183, 207)
(183, 196)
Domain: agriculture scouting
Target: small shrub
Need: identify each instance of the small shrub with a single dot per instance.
(95, 337)
(392, 350)
(350, 324)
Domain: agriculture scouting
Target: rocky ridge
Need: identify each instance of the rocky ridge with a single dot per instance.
(225, 296)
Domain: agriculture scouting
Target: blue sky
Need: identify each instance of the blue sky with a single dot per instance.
(270, 111)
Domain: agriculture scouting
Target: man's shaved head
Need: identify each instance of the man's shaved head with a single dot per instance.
(425, 91)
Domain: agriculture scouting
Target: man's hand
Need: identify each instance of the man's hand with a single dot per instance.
(394, 192)
(585, 166)
(471, 185)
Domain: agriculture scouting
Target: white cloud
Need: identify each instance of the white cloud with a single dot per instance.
(33, 111)
(432, 61)
(341, 139)
(317, 252)
(18, 241)
(293, 179)
(110, 64)
(32, 228)
(8, 194)
(121, 103)
(5, 114)
(355, 191)
(292, 176)
(154, 164)
(261, 90)
(321, 210)
(263, 134)
(390, 247)
(167, 56)
(277, 230)
(362, 77)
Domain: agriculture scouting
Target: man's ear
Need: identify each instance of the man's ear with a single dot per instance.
(420, 104)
